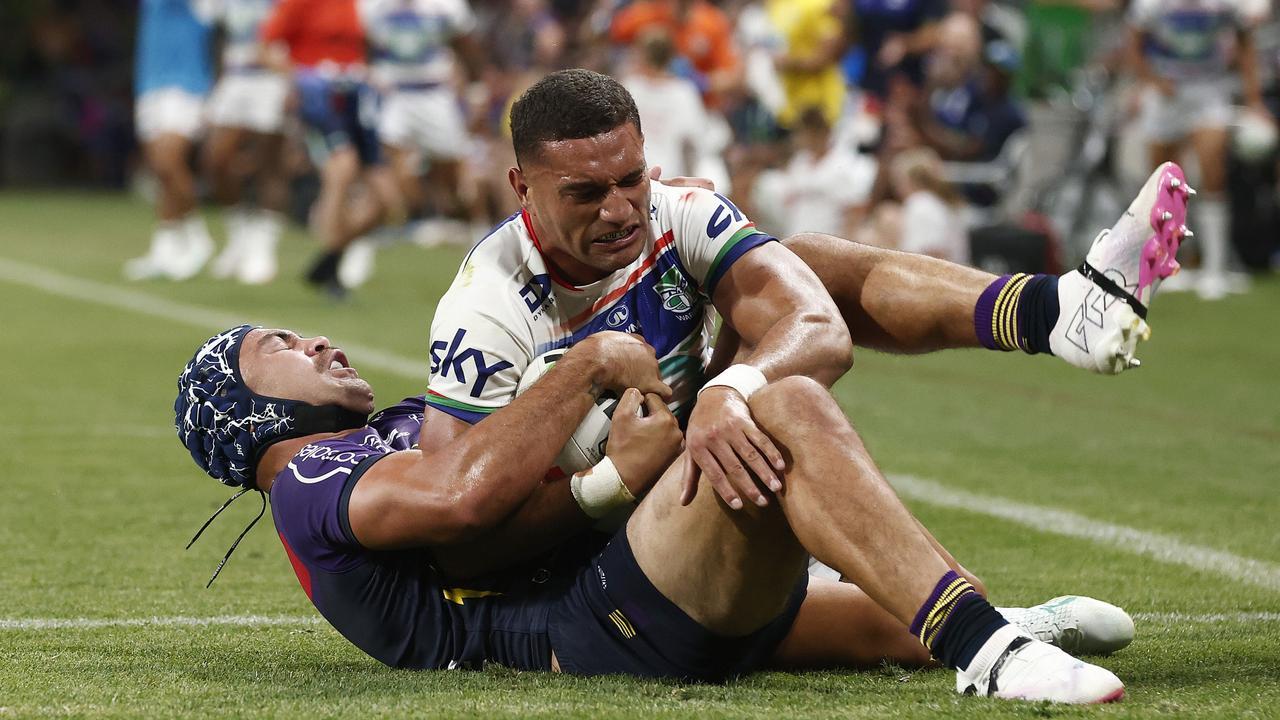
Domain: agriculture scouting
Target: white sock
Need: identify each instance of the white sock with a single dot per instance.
(1211, 231)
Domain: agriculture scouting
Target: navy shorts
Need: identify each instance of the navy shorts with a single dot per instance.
(612, 620)
(341, 113)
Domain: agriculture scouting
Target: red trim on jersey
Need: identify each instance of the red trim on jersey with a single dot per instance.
(618, 292)
(551, 270)
(304, 575)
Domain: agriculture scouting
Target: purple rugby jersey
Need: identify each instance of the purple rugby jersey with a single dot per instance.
(394, 605)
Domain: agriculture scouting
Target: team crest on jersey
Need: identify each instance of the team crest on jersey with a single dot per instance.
(674, 291)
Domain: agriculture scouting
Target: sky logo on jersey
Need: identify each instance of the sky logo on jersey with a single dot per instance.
(618, 317)
(674, 291)
(455, 362)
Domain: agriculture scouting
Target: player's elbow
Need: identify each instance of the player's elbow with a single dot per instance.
(832, 346)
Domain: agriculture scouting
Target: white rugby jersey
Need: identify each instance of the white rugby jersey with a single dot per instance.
(241, 19)
(409, 39)
(506, 306)
(1193, 39)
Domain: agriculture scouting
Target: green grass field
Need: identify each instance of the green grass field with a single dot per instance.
(1167, 481)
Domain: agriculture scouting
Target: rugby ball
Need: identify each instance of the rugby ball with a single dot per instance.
(586, 446)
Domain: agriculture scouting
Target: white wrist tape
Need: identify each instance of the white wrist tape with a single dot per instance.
(600, 489)
(746, 379)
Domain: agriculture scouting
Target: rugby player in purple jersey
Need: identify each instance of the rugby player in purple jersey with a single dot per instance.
(416, 554)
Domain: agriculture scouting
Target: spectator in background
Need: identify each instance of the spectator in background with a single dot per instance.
(706, 54)
(172, 74)
(970, 112)
(928, 216)
(894, 36)
(825, 187)
(247, 115)
(813, 40)
(322, 45)
(1057, 44)
(703, 36)
(671, 110)
(1183, 52)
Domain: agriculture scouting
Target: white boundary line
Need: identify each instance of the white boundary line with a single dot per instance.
(97, 293)
(1164, 548)
(171, 621)
(1174, 618)
(39, 624)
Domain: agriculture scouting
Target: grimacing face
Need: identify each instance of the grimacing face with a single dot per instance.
(589, 201)
(279, 363)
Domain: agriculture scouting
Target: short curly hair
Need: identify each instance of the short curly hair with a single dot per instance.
(568, 105)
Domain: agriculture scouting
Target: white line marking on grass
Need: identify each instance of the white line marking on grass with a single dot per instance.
(1174, 618)
(19, 624)
(172, 621)
(97, 293)
(1164, 548)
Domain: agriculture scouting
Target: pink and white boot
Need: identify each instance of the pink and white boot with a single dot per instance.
(1103, 304)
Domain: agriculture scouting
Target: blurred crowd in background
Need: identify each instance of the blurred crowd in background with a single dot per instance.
(1003, 134)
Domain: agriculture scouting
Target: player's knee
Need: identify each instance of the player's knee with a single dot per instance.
(790, 397)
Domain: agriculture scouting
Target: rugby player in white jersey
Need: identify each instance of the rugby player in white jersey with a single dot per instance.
(1192, 57)
(247, 113)
(413, 45)
(597, 247)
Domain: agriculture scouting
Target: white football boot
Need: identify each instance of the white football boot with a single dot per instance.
(1103, 304)
(1013, 666)
(1076, 624)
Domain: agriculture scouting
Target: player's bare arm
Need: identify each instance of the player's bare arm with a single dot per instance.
(461, 489)
(788, 325)
(644, 440)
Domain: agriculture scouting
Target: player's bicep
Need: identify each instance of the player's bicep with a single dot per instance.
(766, 285)
(408, 499)
(439, 429)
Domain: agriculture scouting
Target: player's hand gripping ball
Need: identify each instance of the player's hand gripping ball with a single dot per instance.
(587, 443)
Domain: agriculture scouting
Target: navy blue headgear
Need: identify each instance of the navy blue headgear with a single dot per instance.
(225, 426)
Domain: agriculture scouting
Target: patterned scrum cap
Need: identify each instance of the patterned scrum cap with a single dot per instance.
(221, 423)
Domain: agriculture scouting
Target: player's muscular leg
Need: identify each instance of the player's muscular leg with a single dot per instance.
(894, 301)
(839, 625)
(732, 570)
